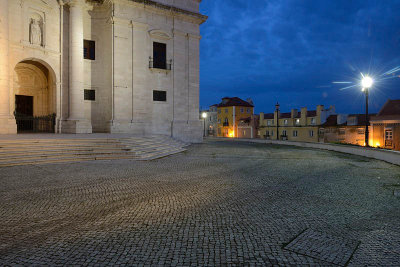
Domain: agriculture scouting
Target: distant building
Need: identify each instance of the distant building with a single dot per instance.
(295, 126)
(386, 126)
(210, 123)
(230, 112)
(248, 127)
(343, 128)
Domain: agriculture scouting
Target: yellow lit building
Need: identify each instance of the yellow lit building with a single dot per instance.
(294, 126)
(230, 112)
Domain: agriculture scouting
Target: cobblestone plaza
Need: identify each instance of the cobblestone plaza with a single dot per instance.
(218, 203)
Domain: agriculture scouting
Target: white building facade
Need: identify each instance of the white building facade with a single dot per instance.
(116, 66)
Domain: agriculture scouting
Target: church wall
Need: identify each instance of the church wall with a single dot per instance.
(124, 32)
(45, 50)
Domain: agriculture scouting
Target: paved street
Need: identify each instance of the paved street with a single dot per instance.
(219, 203)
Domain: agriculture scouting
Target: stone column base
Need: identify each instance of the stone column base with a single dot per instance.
(119, 126)
(75, 126)
(188, 131)
(8, 125)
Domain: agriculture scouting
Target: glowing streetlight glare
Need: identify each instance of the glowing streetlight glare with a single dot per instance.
(367, 82)
(204, 115)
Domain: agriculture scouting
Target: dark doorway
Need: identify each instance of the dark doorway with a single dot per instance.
(24, 105)
(23, 111)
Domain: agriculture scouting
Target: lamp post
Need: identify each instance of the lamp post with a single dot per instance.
(204, 116)
(277, 120)
(366, 83)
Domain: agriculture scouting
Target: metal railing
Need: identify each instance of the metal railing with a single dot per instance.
(38, 124)
(167, 65)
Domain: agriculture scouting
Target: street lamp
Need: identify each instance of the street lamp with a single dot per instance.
(204, 116)
(366, 83)
(277, 120)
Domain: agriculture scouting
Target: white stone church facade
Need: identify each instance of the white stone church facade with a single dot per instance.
(115, 66)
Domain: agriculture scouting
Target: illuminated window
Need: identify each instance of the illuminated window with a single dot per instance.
(312, 120)
(295, 133)
(285, 122)
(297, 121)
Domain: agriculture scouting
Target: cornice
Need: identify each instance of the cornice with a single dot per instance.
(175, 11)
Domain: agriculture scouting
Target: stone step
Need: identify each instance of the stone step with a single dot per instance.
(42, 151)
(61, 150)
(41, 155)
(157, 155)
(62, 160)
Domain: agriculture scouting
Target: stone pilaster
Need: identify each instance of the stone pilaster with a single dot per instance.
(7, 120)
(186, 125)
(76, 123)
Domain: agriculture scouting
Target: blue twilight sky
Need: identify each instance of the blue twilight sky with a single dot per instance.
(292, 50)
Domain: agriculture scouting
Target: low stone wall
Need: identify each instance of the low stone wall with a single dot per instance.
(375, 153)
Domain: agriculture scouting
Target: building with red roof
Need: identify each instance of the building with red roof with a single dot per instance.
(386, 126)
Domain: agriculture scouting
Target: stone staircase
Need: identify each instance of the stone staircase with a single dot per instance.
(14, 152)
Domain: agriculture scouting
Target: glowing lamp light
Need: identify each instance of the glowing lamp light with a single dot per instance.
(378, 144)
(204, 115)
(367, 82)
(231, 134)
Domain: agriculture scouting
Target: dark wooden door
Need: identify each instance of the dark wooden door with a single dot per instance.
(24, 112)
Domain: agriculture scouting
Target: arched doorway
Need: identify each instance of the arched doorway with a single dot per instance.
(34, 93)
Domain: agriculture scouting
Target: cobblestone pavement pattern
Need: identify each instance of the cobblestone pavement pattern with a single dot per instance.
(219, 203)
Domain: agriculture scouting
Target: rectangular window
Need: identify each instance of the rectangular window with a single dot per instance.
(248, 110)
(272, 133)
(89, 50)
(295, 133)
(226, 110)
(159, 55)
(285, 122)
(268, 122)
(89, 95)
(267, 133)
(313, 121)
(159, 96)
(342, 131)
(219, 120)
(284, 133)
(297, 121)
(388, 134)
(241, 110)
(311, 133)
(361, 131)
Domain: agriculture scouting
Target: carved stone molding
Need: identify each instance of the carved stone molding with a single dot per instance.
(159, 34)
